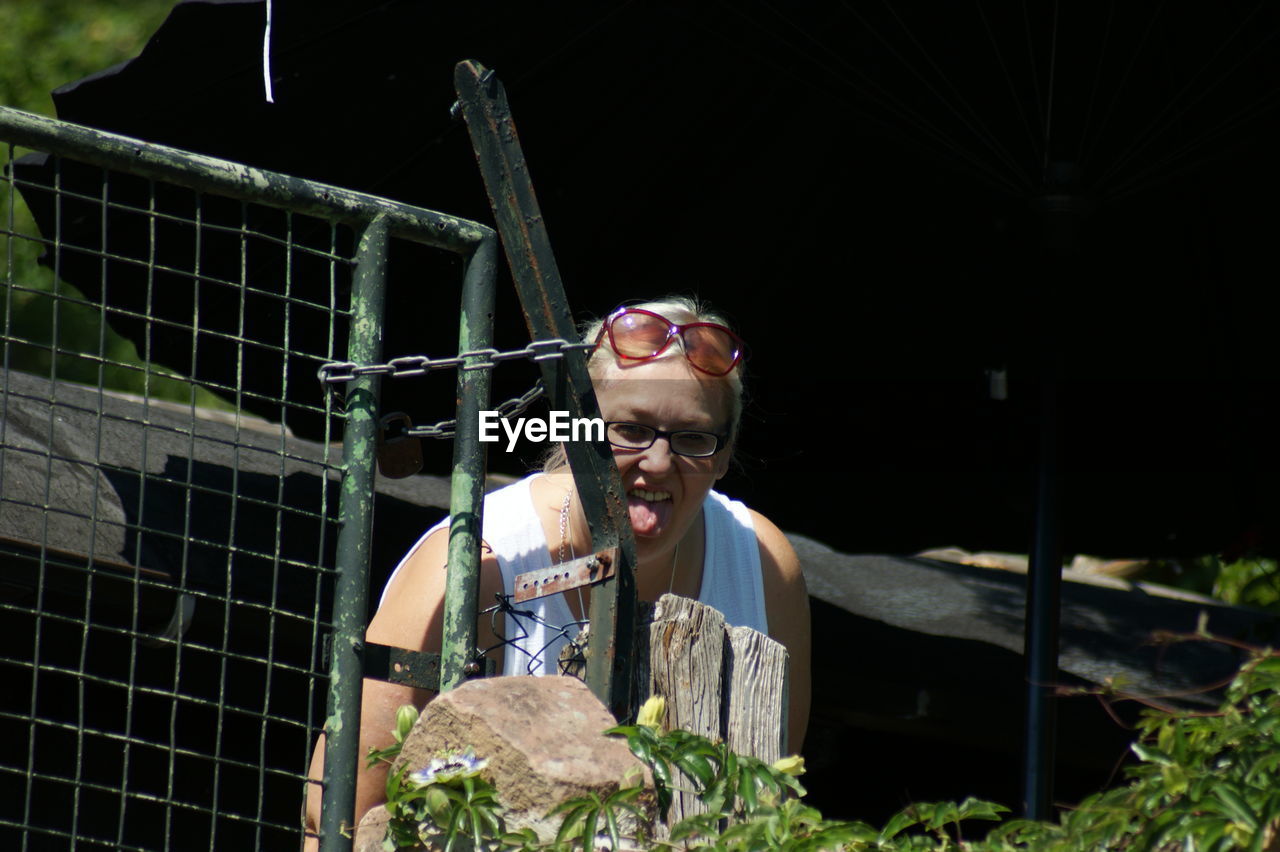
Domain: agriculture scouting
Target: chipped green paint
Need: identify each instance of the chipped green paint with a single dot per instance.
(466, 503)
(355, 514)
(236, 180)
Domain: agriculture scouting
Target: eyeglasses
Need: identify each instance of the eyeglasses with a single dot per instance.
(683, 442)
(639, 335)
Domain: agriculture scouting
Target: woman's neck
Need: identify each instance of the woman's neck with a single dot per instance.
(665, 569)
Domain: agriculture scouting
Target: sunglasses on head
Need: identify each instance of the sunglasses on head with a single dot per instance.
(639, 335)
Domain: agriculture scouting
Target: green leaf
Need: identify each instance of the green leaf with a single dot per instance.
(695, 826)
(611, 826)
(943, 813)
(1235, 805)
(662, 775)
(1151, 754)
(903, 819)
(972, 808)
(572, 825)
(716, 797)
(1265, 765)
(766, 777)
(589, 828)
(697, 768)
(747, 791)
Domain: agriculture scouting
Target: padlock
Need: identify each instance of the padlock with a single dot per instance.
(399, 454)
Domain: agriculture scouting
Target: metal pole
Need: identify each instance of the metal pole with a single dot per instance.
(355, 514)
(483, 103)
(466, 506)
(1062, 211)
(1044, 592)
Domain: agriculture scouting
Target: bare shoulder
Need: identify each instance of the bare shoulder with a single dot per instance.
(413, 597)
(787, 606)
(412, 610)
(786, 597)
(778, 558)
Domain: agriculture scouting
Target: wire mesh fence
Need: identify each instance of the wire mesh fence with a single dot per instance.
(167, 541)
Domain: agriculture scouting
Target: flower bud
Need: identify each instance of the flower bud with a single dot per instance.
(652, 713)
(790, 765)
(405, 717)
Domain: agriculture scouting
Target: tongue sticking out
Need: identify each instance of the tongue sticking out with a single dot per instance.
(648, 518)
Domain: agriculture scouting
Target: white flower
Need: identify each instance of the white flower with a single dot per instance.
(444, 769)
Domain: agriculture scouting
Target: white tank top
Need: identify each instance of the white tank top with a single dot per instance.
(539, 629)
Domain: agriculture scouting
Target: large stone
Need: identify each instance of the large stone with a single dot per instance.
(372, 828)
(543, 738)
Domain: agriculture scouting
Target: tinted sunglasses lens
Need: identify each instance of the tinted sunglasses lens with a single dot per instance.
(711, 348)
(637, 335)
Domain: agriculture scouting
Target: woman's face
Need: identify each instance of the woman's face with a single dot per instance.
(664, 490)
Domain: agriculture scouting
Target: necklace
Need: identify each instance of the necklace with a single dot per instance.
(565, 544)
(564, 524)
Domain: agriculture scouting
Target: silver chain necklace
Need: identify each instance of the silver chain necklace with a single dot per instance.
(564, 541)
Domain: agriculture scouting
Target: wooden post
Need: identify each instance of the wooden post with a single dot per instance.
(755, 701)
(686, 663)
(725, 683)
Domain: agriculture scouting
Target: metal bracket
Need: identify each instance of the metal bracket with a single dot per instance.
(583, 571)
(419, 669)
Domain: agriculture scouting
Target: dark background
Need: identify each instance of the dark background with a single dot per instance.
(889, 200)
(862, 189)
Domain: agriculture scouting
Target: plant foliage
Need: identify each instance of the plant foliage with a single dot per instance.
(1201, 781)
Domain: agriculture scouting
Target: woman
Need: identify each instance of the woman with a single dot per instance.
(668, 379)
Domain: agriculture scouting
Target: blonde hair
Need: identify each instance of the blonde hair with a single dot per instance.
(677, 309)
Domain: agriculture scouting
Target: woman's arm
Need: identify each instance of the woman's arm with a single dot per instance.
(411, 616)
(787, 606)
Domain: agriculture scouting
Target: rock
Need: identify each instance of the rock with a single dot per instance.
(370, 831)
(543, 738)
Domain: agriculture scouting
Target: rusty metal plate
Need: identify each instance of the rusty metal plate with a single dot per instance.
(583, 571)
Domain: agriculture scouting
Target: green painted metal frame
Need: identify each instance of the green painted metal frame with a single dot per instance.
(466, 500)
(376, 220)
(355, 513)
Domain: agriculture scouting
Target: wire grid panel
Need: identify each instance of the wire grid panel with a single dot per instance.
(166, 537)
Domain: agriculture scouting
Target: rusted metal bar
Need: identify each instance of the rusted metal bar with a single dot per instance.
(574, 574)
(466, 502)
(355, 540)
(483, 103)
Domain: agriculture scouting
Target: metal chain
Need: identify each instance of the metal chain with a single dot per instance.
(510, 408)
(340, 372)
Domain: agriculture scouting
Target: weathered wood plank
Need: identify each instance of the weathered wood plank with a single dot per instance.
(686, 659)
(755, 700)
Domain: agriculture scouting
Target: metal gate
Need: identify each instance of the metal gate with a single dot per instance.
(172, 572)
(182, 580)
